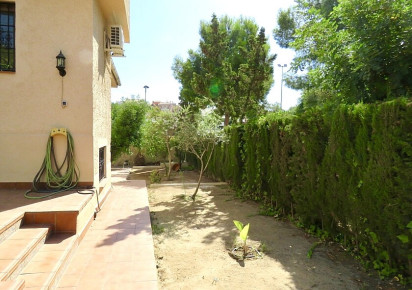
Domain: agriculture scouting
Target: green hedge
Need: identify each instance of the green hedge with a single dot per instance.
(347, 174)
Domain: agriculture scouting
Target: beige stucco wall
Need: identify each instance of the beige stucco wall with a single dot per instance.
(101, 94)
(30, 98)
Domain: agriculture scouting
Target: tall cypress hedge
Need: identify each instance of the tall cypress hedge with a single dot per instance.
(347, 173)
(310, 136)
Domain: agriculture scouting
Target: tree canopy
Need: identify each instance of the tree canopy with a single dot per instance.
(158, 131)
(231, 70)
(127, 118)
(353, 51)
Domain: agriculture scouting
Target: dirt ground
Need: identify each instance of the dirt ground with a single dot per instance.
(192, 242)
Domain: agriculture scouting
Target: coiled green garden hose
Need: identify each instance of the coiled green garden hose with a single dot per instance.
(55, 181)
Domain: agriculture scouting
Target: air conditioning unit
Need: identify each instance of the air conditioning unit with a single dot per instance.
(116, 40)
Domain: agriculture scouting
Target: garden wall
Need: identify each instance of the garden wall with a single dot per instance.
(345, 175)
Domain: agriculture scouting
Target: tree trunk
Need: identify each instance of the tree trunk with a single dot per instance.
(170, 168)
(198, 182)
(226, 119)
(169, 153)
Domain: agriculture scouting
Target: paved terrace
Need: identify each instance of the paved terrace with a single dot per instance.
(116, 252)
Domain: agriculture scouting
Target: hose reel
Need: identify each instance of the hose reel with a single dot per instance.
(55, 180)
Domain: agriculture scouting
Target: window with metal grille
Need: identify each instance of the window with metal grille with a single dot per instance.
(7, 36)
(102, 173)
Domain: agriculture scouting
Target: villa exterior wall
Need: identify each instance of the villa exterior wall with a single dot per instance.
(31, 97)
(101, 96)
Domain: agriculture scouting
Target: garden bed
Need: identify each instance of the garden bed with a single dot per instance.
(194, 244)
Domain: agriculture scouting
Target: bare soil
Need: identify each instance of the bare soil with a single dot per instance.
(193, 239)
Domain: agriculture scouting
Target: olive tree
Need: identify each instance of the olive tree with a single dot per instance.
(158, 132)
(198, 133)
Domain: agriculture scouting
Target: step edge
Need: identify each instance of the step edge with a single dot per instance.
(11, 226)
(62, 264)
(25, 256)
(59, 267)
(12, 285)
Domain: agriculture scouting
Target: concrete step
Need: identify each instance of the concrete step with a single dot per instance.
(10, 224)
(19, 247)
(38, 261)
(12, 285)
(46, 267)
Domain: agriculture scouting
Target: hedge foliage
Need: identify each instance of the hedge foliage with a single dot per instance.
(347, 174)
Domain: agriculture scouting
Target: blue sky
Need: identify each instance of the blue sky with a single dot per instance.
(163, 29)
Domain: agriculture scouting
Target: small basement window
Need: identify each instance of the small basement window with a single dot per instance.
(7, 36)
(102, 163)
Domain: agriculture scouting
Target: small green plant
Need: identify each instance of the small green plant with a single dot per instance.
(187, 167)
(243, 234)
(312, 248)
(263, 248)
(404, 238)
(157, 229)
(155, 177)
(184, 197)
(268, 211)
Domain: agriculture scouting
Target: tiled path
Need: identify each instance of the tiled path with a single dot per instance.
(117, 251)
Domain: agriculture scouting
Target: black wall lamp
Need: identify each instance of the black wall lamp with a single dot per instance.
(61, 63)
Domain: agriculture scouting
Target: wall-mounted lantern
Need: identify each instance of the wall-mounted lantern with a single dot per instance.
(61, 63)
